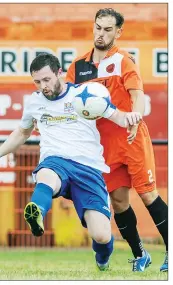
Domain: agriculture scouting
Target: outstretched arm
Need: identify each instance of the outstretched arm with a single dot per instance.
(17, 138)
(125, 119)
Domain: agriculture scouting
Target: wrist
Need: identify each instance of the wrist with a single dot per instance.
(109, 111)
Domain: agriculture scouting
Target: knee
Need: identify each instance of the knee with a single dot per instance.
(102, 237)
(120, 200)
(98, 225)
(119, 206)
(48, 177)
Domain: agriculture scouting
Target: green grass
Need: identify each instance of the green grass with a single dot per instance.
(75, 264)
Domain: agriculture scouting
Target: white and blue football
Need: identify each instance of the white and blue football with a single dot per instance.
(91, 100)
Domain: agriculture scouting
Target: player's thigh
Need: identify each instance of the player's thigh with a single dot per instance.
(49, 177)
(141, 163)
(91, 201)
(98, 225)
(117, 178)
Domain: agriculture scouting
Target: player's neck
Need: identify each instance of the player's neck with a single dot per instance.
(63, 86)
(98, 55)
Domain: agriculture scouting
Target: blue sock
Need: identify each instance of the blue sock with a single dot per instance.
(103, 251)
(42, 196)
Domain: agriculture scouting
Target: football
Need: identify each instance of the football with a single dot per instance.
(91, 100)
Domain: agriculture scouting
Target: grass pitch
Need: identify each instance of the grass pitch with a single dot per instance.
(75, 264)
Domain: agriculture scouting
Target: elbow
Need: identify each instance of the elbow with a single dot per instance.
(25, 133)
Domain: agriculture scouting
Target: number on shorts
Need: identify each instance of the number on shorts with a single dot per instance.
(150, 176)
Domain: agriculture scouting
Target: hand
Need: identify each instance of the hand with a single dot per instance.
(132, 118)
(133, 132)
(35, 126)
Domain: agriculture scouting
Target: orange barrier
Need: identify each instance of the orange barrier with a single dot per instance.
(81, 11)
(78, 30)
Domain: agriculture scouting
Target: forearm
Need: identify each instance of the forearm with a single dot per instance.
(124, 119)
(138, 100)
(118, 117)
(14, 141)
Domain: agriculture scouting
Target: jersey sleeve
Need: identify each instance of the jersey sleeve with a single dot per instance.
(70, 76)
(27, 119)
(130, 74)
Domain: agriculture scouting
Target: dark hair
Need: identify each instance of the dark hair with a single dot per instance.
(110, 12)
(44, 59)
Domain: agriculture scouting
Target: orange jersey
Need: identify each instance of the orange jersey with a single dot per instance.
(119, 73)
(131, 165)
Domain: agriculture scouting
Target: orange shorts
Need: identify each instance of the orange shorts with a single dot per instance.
(134, 165)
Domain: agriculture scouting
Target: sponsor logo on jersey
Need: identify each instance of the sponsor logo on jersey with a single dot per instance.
(50, 120)
(110, 68)
(85, 73)
(45, 118)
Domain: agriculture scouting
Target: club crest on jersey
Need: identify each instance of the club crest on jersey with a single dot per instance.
(110, 68)
(68, 107)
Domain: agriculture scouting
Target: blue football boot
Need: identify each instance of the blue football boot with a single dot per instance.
(164, 267)
(140, 263)
(102, 266)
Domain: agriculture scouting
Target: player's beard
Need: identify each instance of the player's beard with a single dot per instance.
(104, 46)
(53, 95)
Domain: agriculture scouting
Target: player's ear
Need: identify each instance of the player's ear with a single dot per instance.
(60, 72)
(118, 33)
(94, 27)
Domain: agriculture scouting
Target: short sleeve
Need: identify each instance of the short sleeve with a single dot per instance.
(130, 74)
(27, 119)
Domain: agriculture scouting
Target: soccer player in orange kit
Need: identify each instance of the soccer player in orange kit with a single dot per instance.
(129, 155)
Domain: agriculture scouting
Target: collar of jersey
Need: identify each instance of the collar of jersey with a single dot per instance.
(64, 94)
(110, 52)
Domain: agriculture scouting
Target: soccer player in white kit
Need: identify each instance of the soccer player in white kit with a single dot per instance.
(71, 161)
